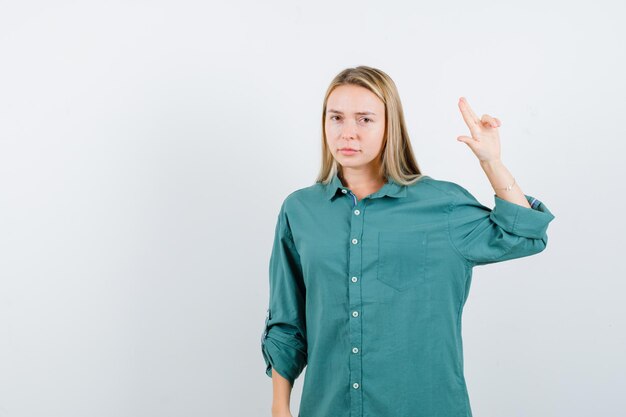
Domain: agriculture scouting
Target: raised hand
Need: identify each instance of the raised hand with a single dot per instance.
(484, 140)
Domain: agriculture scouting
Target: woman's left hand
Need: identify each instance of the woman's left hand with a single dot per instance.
(485, 140)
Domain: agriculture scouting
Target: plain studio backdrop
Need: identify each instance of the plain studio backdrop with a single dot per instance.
(146, 147)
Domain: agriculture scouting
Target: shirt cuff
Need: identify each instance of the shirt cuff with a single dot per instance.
(286, 355)
(522, 221)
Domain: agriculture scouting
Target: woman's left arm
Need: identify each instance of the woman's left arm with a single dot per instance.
(485, 144)
(503, 182)
(517, 225)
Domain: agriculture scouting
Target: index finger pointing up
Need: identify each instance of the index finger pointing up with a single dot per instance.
(467, 111)
(468, 115)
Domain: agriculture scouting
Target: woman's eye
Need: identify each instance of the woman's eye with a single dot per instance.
(365, 118)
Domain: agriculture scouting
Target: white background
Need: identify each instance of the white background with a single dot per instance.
(146, 147)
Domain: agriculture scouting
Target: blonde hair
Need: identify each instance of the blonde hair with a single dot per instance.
(398, 160)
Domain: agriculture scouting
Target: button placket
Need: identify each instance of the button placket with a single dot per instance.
(355, 302)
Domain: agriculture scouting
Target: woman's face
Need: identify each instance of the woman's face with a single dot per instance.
(355, 119)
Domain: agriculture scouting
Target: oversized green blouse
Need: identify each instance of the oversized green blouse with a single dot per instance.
(368, 295)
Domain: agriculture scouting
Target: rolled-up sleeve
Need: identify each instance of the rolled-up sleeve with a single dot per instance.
(482, 235)
(283, 342)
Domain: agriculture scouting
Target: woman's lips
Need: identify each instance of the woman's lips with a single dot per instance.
(348, 151)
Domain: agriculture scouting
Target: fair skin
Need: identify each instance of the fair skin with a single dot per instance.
(355, 118)
(484, 142)
(282, 395)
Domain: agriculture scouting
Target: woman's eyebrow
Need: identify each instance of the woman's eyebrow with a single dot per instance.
(359, 112)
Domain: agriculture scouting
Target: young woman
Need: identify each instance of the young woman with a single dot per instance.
(371, 265)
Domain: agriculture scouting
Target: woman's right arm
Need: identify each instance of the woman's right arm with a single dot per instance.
(284, 343)
(282, 395)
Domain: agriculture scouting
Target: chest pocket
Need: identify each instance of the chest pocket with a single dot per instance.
(402, 258)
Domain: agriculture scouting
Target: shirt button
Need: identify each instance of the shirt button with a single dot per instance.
(343, 191)
(357, 212)
(355, 314)
(355, 385)
(355, 241)
(355, 350)
(354, 279)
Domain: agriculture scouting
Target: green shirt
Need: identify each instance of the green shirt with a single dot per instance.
(369, 294)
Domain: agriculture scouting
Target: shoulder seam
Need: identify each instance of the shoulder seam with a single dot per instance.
(284, 220)
(451, 193)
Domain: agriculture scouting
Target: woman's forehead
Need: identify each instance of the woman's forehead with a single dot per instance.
(357, 100)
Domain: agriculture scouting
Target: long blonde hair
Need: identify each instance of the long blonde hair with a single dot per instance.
(398, 160)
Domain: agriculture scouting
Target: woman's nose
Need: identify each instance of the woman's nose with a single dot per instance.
(348, 129)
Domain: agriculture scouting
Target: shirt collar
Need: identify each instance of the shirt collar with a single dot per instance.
(391, 188)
